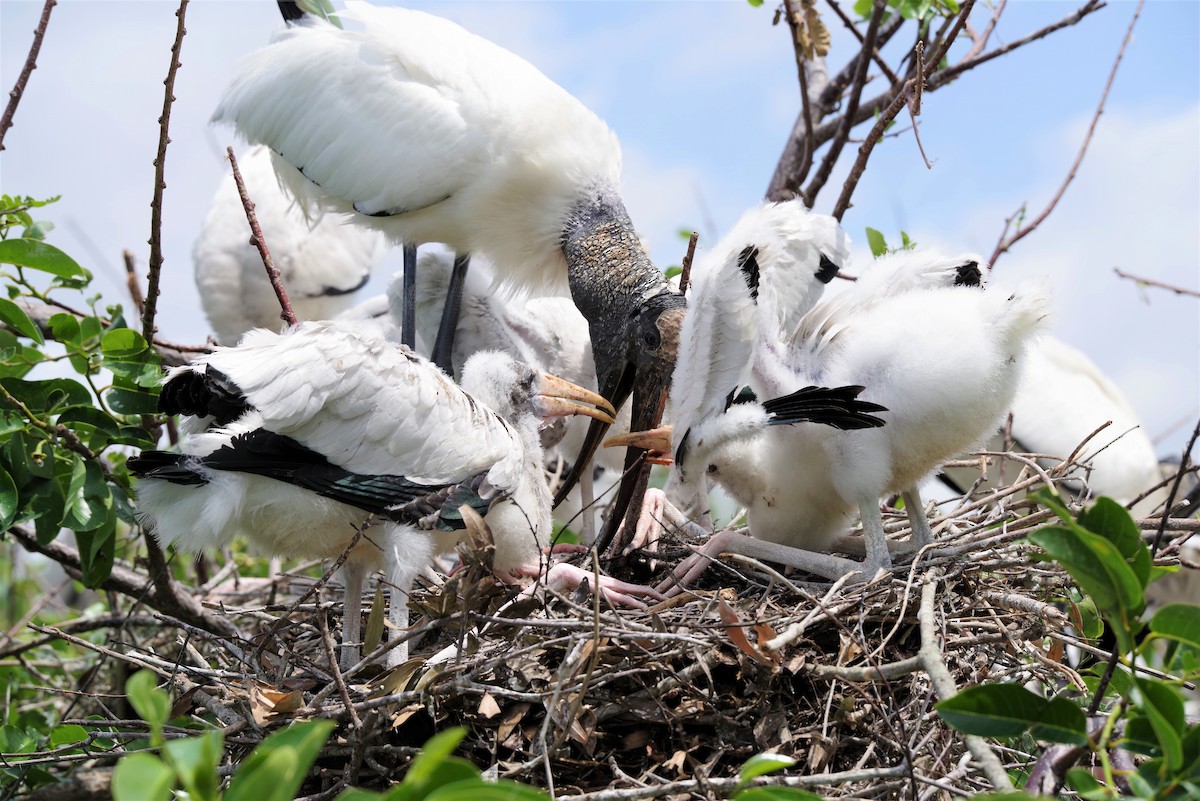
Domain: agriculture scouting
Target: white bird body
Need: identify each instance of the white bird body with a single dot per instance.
(322, 261)
(942, 361)
(296, 441)
(483, 167)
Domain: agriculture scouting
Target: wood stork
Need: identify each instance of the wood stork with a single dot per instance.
(944, 362)
(431, 134)
(297, 441)
(323, 261)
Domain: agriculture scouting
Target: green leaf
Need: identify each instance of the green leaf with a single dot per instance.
(357, 794)
(142, 777)
(1162, 705)
(10, 500)
(293, 748)
(13, 315)
(993, 710)
(49, 396)
(1101, 572)
(755, 3)
(672, 271)
(863, 8)
(478, 790)
(1179, 622)
(97, 552)
(775, 794)
(1061, 721)
(88, 497)
(65, 328)
(195, 760)
(1083, 782)
(874, 238)
(152, 704)
(40, 256)
(1110, 520)
(124, 400)
(62, 735)
(762, 764)
(437, 748)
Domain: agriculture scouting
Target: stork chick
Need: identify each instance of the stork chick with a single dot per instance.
(297, 441)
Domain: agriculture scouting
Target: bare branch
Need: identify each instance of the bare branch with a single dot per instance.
(856, 87)
(981, 40)
(14, 97)
(132, 282)
(259, 241)
(1178, 290)
(156, 257)
(850, 26)
(685, 273)
(1006, 244)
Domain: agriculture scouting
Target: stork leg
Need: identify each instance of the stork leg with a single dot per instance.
(922, 535)
(587, 501)
(443, 346)
(353, 574)
(408, 320)
(407, 552)
(820, 564)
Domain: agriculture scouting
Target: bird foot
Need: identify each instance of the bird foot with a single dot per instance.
(567, 578)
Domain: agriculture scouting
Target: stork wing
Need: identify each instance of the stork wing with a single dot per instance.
(365, 404)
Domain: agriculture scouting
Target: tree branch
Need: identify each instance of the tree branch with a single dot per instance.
(1178, 290)
(14, 97)
(155, 241)
(259, 241)
(856, 87)
(1004, 244)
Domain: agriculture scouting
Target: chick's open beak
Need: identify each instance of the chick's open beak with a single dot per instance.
(560, 398)
(656, 442)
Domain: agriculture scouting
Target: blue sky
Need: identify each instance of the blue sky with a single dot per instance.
(702, 95)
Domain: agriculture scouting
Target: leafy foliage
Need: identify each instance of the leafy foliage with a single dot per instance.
(60, 467)
(1102, 550)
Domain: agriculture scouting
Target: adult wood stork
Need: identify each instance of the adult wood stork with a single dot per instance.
(432, 134)
(297, 441)
(944, 363)
(323, 261)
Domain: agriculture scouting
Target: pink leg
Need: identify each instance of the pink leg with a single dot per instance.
(565, 578)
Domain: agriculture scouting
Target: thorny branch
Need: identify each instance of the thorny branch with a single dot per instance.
(156, 257)
(1006, 243)
(14, 97)
(259, 241)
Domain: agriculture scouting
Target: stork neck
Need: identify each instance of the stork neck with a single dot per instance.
(607, 268)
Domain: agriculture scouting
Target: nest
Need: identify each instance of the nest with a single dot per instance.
(601, 704)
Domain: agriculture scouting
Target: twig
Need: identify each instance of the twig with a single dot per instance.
(1004, 245)
(14, 97)
(797, 176)
(981, 40)
(850, 26)
(260, 242)
(889, 114)
(856, 87)
(156, 256)
(131, 281)
(930, 655)
(685, 273)
(1178, 290)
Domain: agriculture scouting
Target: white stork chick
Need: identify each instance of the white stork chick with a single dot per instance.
(431, 134)
(299, 440)
(942, 361)
(323, 262)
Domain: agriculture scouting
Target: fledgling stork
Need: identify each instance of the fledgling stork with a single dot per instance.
(298, 440)
(944, 362)
(429, 133)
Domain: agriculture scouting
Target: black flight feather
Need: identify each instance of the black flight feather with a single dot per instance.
(748, 264)
(827, 271)
(838, 407)
(203, 394)
(968, 274)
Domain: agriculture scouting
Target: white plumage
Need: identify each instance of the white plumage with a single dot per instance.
(429, 133)
(943, 362)
(322, 261)
(297, 440)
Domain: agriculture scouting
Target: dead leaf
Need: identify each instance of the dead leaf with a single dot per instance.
(375, 619)
(488, 706)
(765, 634)
(737, 634)
(267, 703)
(677, 762)
(404, 714)
(511, 718)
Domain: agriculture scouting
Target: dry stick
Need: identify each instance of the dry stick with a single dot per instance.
(801, 172)
(889, 114)
(1178, 290)
(1006, 243)
(257, 239)
(930, 654)
(982, 39)
(879, 62)
(155, 241)
(685, 272)
(856, 87)
(14, 97)
(132, 282)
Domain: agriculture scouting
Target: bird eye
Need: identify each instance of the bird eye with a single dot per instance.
(711, 470)
(651, 338)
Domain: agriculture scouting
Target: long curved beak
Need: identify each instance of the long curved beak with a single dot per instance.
(656, 442)
(561, 398)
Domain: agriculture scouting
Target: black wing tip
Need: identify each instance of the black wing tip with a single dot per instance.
(173, 467)
(827, 270)
(201, 394)
(968, 274)
(291, 10)
(747, 262)
(838, 407)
